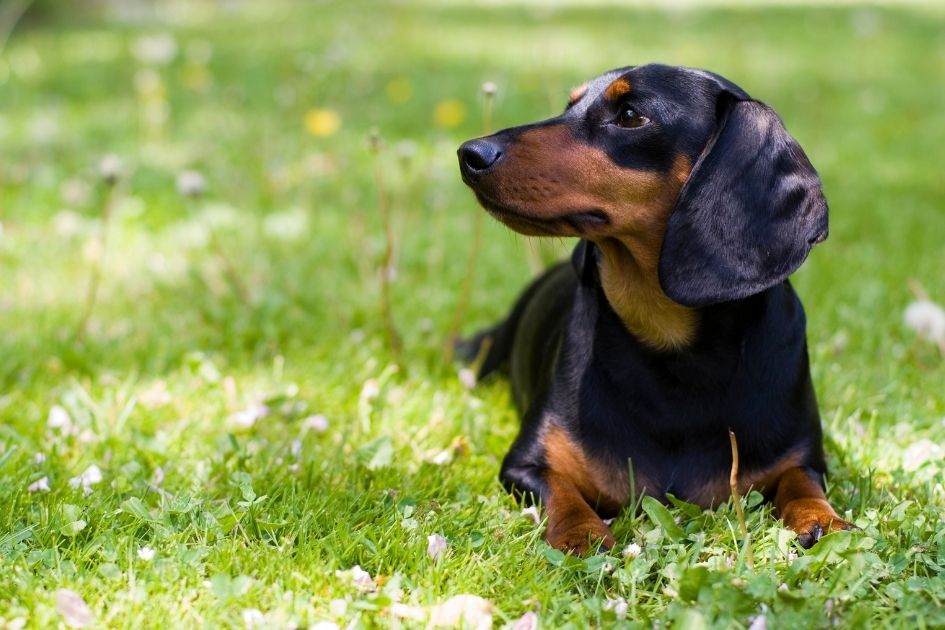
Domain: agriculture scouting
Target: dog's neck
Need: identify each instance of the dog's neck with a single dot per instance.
(629, 277)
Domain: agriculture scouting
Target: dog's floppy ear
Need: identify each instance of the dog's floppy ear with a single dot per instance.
(748, 215)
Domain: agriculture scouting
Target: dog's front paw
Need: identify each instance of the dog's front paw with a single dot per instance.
(812, 519)
(580, 536)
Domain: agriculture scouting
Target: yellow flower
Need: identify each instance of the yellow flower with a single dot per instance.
(322, 122)
(449, 113)
(399, 90)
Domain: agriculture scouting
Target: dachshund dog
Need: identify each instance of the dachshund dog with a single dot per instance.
(675, 321)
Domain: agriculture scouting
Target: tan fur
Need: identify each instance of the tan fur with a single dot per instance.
(548, 175)
(577, 94)
(603, 488)
(801, 503)
(617, 89)
(630, 273)
(765, 480)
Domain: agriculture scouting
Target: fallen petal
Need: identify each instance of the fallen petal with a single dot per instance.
(75, 612)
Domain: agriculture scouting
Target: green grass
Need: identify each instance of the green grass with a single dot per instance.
(245, 517)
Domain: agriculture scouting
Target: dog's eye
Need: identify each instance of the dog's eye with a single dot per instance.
(628, 117)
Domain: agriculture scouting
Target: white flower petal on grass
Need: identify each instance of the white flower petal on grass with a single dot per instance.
(156, 395)
(146, 554)
(59, 419)
(528, 621)
(359, 578)
(40, 485)
(436, 546)
(759, 622)
(296, 448)
(39, 458)
(248, 417)
(75, 612)
(17, 623)
(324, 625)
(91, 476)
(489, 88)
(405, 611)
(370, 390)
(317, 423)
(618, 605)
(631, 551)
(927, 319)
(467, 377)
(469, 611)
(532, 512)
(919, 453)
(253, 617)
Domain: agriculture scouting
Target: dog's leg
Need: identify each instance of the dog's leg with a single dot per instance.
(801, 503)
(572, 525)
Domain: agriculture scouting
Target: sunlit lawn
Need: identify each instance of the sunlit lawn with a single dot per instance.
(229, 328)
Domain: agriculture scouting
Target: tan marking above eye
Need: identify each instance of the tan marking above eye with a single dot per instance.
(617, 89)
(576, 94)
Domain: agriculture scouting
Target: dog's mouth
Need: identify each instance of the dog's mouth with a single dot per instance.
(580, 221)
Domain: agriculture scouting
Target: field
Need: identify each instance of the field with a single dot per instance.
(201, 421)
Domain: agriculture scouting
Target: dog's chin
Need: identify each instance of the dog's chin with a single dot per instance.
(580, 223)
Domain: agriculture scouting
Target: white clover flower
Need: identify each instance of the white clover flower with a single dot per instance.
(317, 423)
(40, 485)
(89, 478)
(253, 618)
(246, 418)
(759, 622)
(919, 453)
(927, 319)
(75, 612)
(158, 49)
(191, 184)
(370, 390)
(468, 611)
(528, 621)
(489, 88)
(620, 609)
(359, 578)
(58, 418)
(110, 168)
(631, 551)
(436, 546)
(146, 554)
(467, 377)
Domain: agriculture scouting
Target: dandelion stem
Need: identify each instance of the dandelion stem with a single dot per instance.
(739, 510)
(95, 275)
(488, 91)
(383, 206)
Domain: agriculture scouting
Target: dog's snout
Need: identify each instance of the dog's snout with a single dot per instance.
(478, 155)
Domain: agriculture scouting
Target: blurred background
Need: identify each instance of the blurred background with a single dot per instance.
(269, 108)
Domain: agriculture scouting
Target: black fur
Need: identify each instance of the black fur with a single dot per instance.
(746, 218)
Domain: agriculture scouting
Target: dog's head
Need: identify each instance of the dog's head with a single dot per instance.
(678, 155)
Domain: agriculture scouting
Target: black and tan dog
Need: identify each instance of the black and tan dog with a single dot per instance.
(675, 321)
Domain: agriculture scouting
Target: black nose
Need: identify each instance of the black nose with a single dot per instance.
(476, 156)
